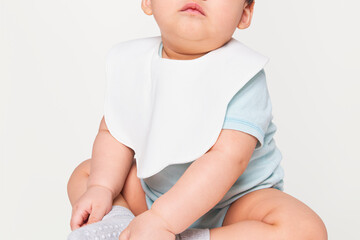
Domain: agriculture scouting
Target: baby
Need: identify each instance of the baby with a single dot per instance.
(185, 149)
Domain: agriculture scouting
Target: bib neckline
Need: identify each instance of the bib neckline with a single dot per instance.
(208, 56)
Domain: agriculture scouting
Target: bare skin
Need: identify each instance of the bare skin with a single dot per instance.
(266, 212)
(132, 191)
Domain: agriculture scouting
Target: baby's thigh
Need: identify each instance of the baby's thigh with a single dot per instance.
(275, 207)
(133, 192)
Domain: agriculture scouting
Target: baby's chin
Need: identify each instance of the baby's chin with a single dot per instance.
(185, 28)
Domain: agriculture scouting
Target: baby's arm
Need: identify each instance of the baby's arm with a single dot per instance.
(110, 162)
(206, 180)
(110, 165)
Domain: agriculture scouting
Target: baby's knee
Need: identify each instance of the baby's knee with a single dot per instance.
(311, 227)
(319, 229)
(83, 168)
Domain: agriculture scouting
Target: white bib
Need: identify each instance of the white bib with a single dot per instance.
(172, 111)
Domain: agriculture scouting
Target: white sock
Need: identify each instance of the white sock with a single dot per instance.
(108, 228)
(194, 234)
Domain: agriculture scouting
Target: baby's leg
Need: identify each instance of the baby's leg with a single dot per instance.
(77, 182)
(270, 214)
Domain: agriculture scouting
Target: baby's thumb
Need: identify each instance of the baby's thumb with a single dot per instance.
(95, 216)
(125, 234)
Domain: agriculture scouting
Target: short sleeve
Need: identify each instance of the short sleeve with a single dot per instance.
(250, 109)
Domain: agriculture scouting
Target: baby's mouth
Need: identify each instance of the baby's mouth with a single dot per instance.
(193, 8)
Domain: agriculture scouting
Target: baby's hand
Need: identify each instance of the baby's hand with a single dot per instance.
(92, 206)
(147, 225)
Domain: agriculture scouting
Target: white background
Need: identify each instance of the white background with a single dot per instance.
(52, 85)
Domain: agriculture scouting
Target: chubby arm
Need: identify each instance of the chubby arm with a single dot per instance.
(109, 166)
(110, 162)
(206, 180)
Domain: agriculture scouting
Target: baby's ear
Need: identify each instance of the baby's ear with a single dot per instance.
(246, 17)
(146, 7)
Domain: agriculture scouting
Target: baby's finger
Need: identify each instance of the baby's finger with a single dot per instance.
(78, 219)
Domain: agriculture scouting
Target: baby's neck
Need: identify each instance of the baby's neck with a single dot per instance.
(178, 48)
(170, 54)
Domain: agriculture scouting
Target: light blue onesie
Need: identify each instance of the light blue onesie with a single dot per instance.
(249, 111)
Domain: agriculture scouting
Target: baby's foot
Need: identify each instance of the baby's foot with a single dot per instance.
(108, 228)
(194, 234)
